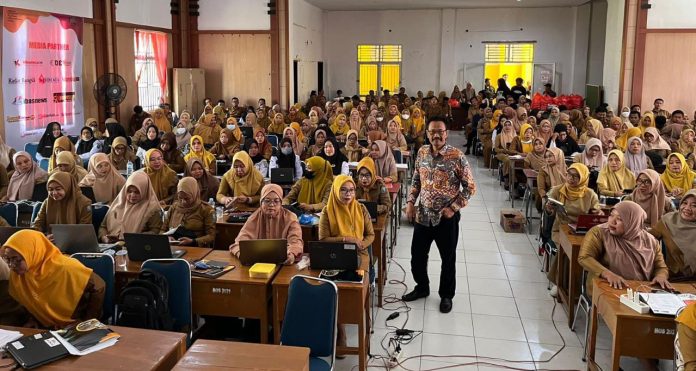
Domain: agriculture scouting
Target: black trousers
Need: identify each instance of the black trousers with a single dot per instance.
(445, 236)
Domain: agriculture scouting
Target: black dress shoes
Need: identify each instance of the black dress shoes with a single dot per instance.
(445, 305)
(415, 295)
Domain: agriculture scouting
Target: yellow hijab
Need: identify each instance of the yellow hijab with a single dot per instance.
(53, 284)
(163, 179)
(418, 123)
(337, 129)
(298, 131)
(618, 180)
(622, 141)
(683, 180)
(496, 118)
(249, 184)
(652, 122)
(526, 147)
(369, 164)
(344, 220)
(312, 190)
(206, 157)
(574, 193)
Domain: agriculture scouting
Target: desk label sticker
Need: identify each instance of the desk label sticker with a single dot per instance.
(220, 290)
(37, 336)
(17, 345)
(664, 331)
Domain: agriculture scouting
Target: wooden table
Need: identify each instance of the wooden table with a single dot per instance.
(634, 334)
(531, 175)
(353, 306)
(234, 294)
(394, 190)
(137, 349)
(569, 271)
(228, 355)
(226, 233)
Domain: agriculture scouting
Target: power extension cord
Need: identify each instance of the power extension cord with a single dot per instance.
(396, 357)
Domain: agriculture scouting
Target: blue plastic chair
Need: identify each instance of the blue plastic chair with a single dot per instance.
(8, 212)
(272, 139)
(311, 316)
(44, 163)
(35, 211)
(31, 148)
(98, 214)
(398, 156)
(178, 274)
(103, 266)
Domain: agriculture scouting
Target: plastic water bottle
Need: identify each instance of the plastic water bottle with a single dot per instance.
(129, 168)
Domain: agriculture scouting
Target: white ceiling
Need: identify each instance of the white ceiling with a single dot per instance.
(438, 4)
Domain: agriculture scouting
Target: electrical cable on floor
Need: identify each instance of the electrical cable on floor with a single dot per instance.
(403, 336)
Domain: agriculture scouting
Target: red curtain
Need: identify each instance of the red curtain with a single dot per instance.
(159, 48)
(141, 40)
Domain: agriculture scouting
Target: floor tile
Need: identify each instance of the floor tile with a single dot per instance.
(493, 271)
(493, 305)
(451, 323)
(497, 327)
(484, 286)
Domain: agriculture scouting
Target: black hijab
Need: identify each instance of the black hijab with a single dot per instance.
(148, 143)
(337, 159)
(45, 147)
(115, 130)
(84, 146)
(259, 156)
(286, 161)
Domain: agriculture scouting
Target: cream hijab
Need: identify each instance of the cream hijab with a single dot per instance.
(106, 187)
(124, 217)
(21, 185)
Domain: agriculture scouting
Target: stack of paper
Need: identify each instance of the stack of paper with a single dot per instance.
(8, 336)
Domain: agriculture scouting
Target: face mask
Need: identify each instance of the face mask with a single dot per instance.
(231, 127)
(286, 150)
(180, 131)
(380, 119)
(309, 174)
(625, 114)
(405, 117)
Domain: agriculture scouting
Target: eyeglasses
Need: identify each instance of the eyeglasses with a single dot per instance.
(433, 132)
(271, 202)
(365, 176)
(574, 177)
(347, 190)
(643, 182)
(12, 262)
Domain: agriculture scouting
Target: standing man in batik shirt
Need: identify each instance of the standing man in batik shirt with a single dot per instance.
(442, 185)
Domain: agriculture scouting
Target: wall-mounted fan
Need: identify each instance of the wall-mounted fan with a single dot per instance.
(109, 91)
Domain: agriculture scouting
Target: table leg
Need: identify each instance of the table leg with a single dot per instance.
(276, 319)
(362, 336)
(572, 283)
(592, 338)
(616, 347)
(264, 326)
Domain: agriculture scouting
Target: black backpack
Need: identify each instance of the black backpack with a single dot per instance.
(143, 303)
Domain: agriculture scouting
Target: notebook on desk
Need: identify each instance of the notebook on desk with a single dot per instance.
(333, 255)
(263, 251)
(281, 175)
(78, 238)
(142, 246)
(36, 350)
(587, 221)
(371, 207)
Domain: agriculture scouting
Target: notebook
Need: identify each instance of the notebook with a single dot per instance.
(281, 176)
(371, 208)
(36, 350)
(143, 246)
(263, 251)
(586, 222)
(333, 255)
(76, 238)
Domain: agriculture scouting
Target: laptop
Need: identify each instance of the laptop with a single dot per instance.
(36, 350)
(333, 255)
(585, 222)
(89, 193)
(263, 251)
(281, 175)
(7, 232)
(371, 208)
(143, 246)
(222, 166)
(74, 238)
(247, 131)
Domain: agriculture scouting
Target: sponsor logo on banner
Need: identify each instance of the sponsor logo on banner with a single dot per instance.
(71, 79)
(20, 63)
(60, 63)
(15, 81)
(19, 118)
(19, 101)
(48, 80)
(63, 97)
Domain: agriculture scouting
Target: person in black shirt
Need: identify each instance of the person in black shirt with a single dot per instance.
(518, 90)
(503, 90)
(548, 91)
(563, 141)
